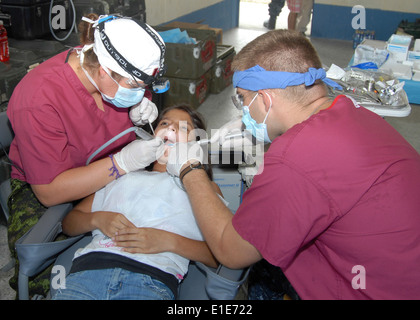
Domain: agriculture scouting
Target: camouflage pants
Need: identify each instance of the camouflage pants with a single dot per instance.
(25, 210)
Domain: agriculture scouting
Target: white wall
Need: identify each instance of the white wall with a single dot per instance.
(411, 6)
(161, 11)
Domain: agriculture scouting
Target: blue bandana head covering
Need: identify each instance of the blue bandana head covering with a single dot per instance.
(257, 78)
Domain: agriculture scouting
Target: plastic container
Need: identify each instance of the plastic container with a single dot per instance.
(4, 44)
(361, 35)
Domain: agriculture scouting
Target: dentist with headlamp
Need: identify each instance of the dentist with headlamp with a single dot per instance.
(73, 103)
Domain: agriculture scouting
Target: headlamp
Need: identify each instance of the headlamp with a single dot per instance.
(161, 85)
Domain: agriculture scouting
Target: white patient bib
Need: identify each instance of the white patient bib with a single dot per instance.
(147, 199)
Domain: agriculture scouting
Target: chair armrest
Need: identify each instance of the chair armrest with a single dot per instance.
(204, 283)
(48, 226)
(37, 249)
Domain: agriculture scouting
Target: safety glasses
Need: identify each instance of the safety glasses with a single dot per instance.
(131, 82)
(134, 84)
(238, 101)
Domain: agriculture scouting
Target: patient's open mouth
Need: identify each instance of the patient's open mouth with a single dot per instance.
(167, 141)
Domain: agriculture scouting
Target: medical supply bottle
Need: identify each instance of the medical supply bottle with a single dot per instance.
(4, 44)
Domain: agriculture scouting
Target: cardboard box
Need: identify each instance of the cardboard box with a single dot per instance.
(190, 61)
(189, 25)
(413, 56)
(398, 46)
(398, 70)
(417, 45)
(376, 44)
(222, 72)
(191, 92)
(230, 183)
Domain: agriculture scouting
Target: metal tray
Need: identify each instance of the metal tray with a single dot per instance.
(361, 85)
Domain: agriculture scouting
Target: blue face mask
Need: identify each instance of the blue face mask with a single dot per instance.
(124, 97)
(258, 130)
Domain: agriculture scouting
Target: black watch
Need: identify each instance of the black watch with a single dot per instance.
(191, 167)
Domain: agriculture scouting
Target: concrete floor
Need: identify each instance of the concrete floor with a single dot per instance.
(218, 109)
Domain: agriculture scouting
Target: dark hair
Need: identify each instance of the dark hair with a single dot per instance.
(198, 123)
(196, 117)
(86, 31)
(87, 37)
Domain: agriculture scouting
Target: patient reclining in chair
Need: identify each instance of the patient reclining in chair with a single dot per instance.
(143, 229)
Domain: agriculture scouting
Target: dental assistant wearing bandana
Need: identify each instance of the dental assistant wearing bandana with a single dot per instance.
(336, 204)
(69, 106)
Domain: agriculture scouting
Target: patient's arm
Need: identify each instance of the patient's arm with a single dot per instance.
(81, 220)
(150, 240)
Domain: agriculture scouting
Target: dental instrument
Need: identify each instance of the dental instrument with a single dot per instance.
(141, 133)
(151, 128)
(229, 136)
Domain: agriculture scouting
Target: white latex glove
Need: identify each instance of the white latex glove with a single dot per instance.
(239, 143)
(144, 112)
(181, 153)
(138, 154)
(233, 127)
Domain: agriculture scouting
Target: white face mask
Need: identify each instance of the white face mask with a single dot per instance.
(124, 97)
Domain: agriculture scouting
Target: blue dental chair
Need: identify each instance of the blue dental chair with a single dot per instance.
(37, 250)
